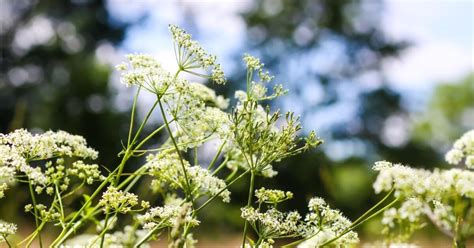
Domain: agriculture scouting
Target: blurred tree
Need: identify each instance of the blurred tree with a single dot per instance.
(450, 113)
(54, 71)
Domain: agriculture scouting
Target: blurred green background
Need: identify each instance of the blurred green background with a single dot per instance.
(370, 76)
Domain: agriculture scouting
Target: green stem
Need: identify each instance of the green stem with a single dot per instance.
(220, 167)
(352, 227)
(6, 240)
(163, 114)
(132, 118)
(34, 234)
(372, 208)
(149, 137)
(128, 151)
(222, 190)
(102, 234)
(60, 204)
(66, 231)
(33, 199)
(148, 235)
(249, 202)
(211, 164)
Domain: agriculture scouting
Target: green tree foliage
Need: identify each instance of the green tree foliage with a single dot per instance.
(449, 113)
(50, 75)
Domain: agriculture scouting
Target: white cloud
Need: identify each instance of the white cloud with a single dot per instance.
(427, 64)
(442, 37)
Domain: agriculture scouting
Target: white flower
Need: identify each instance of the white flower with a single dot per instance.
(190, 54)
(272, 196)
(166, 169)
(117, 200)
(463, 148)
(6, 229)
(167, 216)
(323, 223)
(144, 71)
(273, 224)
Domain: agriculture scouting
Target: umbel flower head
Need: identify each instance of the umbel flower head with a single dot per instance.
(19, 148)
(6, 229)
(191, 56)
(441, 196)
(323, 223)
(463, 150)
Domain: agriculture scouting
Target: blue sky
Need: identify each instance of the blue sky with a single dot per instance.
(441, 32)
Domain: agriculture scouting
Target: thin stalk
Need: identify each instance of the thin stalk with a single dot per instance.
(214, 159)
(150, 136)
(148, 235)
(189, 196)
(60, 204)
(249, 202)
(128, 151)
(102, 234)
(196, 159)
(352, 227)
(6, 240)
(132, 118)
(34, 234)
(220, 167)
(66, 231)
(222, 190)
(33, 199)
(293, 244)
(373, 208)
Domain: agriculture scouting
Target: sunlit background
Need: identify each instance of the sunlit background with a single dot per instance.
(376, 79)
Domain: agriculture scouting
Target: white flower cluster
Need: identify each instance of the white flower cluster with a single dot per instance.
(323, 224)
(429, 185)
(463, 149)
(272, 196)
(165, 168)
(114, 200)
(169, 215)
(45, 214)
(87, 172)
(442, 196)
(191, 55)
(208, 95)
(198, 116)
(407, 218)
(19, 148)
(6, 229)
(273, 224)
(257, 90)
(144, 71)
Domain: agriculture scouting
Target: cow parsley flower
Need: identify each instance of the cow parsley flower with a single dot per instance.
(114, 200)
(6, 229)
(272, 196)
(399, 224)
(273, 224)
(323, 224)
(19, 148)
(87, 172)
(191, 55)
(463, 149)
(164, 167)
(144, 71)
(168, 215)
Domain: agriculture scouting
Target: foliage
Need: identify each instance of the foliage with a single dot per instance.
(250, 139)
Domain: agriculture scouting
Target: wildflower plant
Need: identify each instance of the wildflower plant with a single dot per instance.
(444, 197)
(69, 193)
